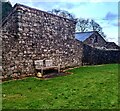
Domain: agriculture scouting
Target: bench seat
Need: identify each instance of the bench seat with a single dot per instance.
(45, 65)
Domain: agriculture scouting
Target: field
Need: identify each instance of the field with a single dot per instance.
(89, 87)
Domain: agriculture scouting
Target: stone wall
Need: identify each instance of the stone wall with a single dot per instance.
(97, 56)
(30, 34)
(38, 35)
(0, 55)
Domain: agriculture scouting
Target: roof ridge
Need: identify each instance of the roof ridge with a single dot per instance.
(86, 32)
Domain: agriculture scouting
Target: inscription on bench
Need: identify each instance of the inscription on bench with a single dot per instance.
(48, 63)
(38, 64)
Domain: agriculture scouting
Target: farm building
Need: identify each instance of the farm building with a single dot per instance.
(94, 39)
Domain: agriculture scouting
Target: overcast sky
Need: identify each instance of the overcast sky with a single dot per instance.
(105, 13)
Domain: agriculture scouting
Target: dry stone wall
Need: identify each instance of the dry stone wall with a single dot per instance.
(0, 50)
(38, 35)
(97, 56)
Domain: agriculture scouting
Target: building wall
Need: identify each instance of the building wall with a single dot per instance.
(95, 40)
(39, 36)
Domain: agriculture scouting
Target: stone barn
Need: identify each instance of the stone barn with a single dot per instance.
(30, 34)
(95, 40)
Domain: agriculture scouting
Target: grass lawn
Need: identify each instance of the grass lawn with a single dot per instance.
(91, 87)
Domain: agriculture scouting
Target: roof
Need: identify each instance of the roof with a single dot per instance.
(83, 35)
(111, 44)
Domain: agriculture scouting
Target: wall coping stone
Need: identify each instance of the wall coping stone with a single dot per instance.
(20, 5)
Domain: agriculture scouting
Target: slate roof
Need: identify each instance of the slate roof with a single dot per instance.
(109, 44)
(83, 35)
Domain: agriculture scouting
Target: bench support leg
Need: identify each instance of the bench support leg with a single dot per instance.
(42, 71)
(58, 68)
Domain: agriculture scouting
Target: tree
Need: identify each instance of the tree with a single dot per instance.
(84, 25)
(63, 13)
(6, 9)
(96, 27)
(55, 11)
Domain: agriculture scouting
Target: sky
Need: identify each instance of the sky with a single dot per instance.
(104, 12)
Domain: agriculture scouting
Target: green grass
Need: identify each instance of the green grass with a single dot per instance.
(91, 87)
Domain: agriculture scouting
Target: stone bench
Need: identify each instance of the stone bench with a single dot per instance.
(45, 65)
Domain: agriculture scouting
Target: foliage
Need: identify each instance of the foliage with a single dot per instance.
(63, 13)
(84, 25)
(96, 27)
(89, 87)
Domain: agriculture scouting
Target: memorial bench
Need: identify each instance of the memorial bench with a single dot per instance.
(45, 65)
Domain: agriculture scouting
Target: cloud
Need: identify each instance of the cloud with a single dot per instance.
(111, 19)
(110, 16)
(116, 24)
(69, 0)
(57, 5)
